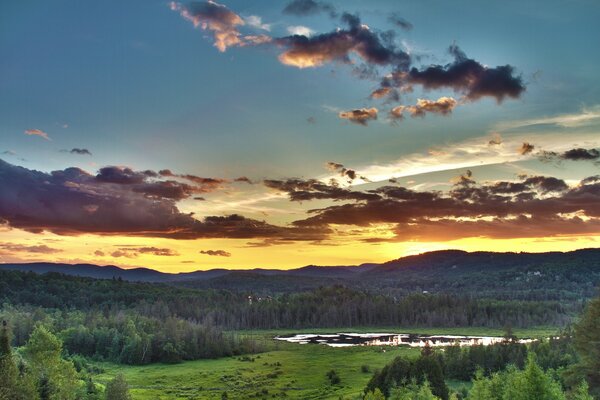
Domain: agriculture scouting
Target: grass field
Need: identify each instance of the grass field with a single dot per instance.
(287, 370)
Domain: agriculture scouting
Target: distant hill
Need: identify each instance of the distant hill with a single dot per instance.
(551, 275)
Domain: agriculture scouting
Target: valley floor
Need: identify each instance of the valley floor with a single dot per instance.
(287, 370)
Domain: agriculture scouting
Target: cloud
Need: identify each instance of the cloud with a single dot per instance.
(471, 153)
(9, 153)
(400, 22)
(380, 93)
(256, 22)
(534, 206)
(360, 116)
(118, 201)
(78, 151)
(442, 106)
(339, 45)
(37, 132)
(99, 253)
(587, 116)
(496, 139)
(581, 154)
(300, 30)
(204, 184)
(222, 22)
(370, 53)
(304, 8)
(577, 154)
(217, 253)
(526, 148)
(11, 248)
(344, 172)
(133, 252)
(243, 179)
(312, 189)
(463, 75)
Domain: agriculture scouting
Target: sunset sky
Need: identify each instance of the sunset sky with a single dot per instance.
(182, 136)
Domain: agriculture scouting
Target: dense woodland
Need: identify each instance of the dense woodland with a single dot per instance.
(140, 323)
(85, 320)
(565, 367)
(322, 307)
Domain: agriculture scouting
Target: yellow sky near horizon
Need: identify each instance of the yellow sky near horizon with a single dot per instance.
(187, 256)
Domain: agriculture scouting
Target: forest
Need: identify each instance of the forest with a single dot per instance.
(88, 321)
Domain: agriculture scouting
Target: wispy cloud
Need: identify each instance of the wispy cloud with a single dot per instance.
(37, 132)
(586, 116)
(472, 153)
(217, 253)
(256, 22)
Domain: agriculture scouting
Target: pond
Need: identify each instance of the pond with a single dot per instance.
(392, 339)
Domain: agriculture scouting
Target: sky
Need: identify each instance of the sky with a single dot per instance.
(276, 134)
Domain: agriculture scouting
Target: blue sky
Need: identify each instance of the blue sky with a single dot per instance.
(138, 85)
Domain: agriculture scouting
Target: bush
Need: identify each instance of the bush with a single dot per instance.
(333, 377)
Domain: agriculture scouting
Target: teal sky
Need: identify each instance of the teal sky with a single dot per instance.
(142, 87)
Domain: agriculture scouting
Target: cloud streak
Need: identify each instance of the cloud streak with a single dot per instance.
(216, 253)
(37, 132)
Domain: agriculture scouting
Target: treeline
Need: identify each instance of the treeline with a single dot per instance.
(529, 383)
(557, 369)
(462, 363)
(494, 370)
(38, 371)
(322, 307)
(339, 306)
(125, 336)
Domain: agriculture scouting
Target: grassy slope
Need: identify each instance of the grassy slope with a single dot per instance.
(302, 374)
(287, 371)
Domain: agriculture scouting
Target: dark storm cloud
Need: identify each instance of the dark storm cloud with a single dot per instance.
(400, 22)
(303, 8)
(217, 253)
(360, 116)
(117, 201)
(464, 75)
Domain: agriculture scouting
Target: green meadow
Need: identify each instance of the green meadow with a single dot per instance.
(285, 370)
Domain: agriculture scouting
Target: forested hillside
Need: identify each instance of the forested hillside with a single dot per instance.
(566, 277)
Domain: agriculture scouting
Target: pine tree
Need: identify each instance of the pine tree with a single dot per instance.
(587, 343)
(8, 369)
(581, 392)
